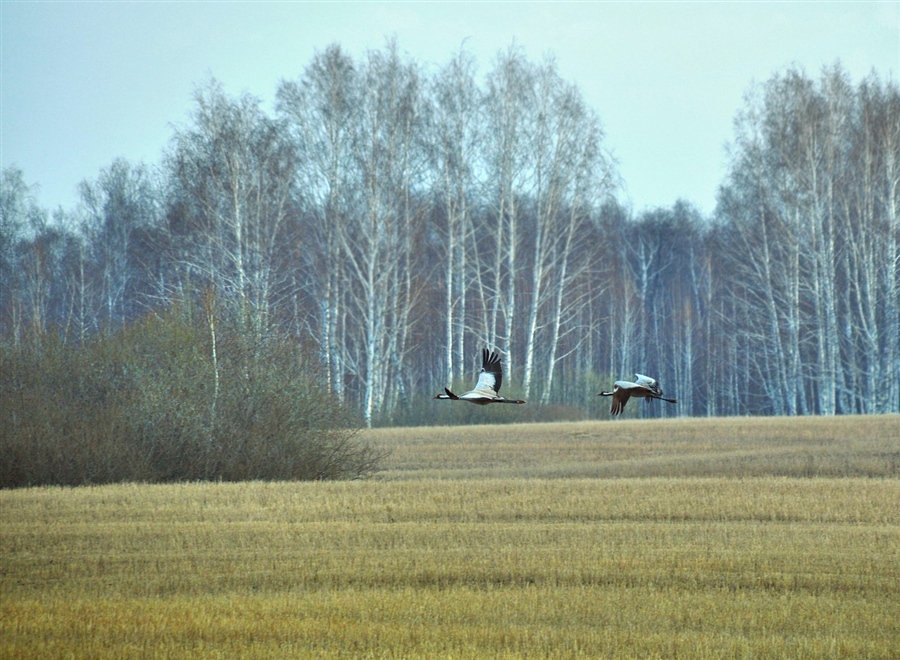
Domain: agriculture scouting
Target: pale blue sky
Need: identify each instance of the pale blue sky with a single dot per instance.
(86, 82)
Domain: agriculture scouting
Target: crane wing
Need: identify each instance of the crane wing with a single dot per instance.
(641, 379)
(620, 397)
(650, 383)
(491, 375)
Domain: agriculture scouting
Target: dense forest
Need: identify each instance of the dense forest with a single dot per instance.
(398, 219)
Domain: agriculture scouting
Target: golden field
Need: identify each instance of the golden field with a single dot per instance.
(693, 538)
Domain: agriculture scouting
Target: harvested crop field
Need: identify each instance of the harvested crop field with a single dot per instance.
(698, 538)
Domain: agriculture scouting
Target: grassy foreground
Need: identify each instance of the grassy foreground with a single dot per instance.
(712, 538)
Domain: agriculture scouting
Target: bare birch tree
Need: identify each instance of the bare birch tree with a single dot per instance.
(455, 138)
(377, 239)
(571, 175)
(114, 209)
(322, 110)
(233, 172)
(510, 102)
(872, 247)
(804, 197)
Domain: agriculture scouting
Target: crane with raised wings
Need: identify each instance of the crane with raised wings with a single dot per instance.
(487, 389)
(643, 387)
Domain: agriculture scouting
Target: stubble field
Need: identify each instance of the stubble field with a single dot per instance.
(692, 538)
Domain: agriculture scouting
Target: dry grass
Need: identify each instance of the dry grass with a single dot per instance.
(490, 566)
(862, 446)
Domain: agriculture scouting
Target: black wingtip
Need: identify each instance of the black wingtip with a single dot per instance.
(491, 364)
(489, 359)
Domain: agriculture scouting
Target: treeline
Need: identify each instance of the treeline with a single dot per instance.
(399, 219)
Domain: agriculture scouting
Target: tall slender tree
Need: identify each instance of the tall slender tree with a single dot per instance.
(233, 172)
